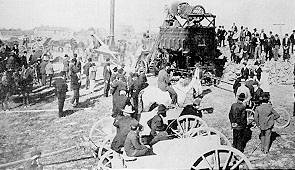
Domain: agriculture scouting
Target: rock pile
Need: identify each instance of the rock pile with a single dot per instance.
(280, 72)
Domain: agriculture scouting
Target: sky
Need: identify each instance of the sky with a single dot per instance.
(142, 14)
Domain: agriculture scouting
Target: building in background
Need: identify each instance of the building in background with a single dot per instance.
(55, 33)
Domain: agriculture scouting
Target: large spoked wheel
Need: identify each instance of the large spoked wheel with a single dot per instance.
(224, 157)
(101, 129)
(186, 123)
(210, 132)
(105, 146)
(284, 119)
(105, 162)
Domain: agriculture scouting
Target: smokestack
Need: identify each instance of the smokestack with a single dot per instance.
(112, 19)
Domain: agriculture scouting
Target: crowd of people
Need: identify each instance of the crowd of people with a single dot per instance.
(255, 45)
(252, 90)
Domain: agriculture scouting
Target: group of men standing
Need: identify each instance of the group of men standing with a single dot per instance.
(250, 45)
(251, 92)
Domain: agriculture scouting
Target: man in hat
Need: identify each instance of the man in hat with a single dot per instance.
(107, 74)
(158, 128)
(66, 64)
(26, 84)
(86, 68)
(43, 71)
(256, 99)
(24, 59)
(292, 40)
(49, 71)
(277, 44)
(258, 70)
(133, 146)
(75, 82)
(249, 83)
(237, 82)
(117, 86)
(286, 47)
(238, 120)
(245, 90)
(245, 71)
(165, 85)
(264, 117)
(123, 125)
(61, 89)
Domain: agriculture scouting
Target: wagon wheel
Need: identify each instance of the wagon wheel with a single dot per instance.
(284, 119)
(207, 131)
(105, 162)
(224, 157)
(105, 146)
(101, 129)
(187, 122)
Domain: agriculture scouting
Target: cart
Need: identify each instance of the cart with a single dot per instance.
(204, 148)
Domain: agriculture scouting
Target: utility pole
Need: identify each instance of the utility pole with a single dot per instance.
(112, 20)
(280, 27)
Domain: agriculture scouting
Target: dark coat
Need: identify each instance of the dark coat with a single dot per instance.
(238, 115)
(277, 42)
(106, 73)
(265, 115)
(245, 73)
(117, 86)
(249, 84)
(190, 110)
(42, 67)
(75, 83)
(119, 103)
(237, 84)
(123, 125)
(156, 124)
(86, 68)
(133, 146)
(61, 87)
(256, 96)
(258, 73)
(163, 80)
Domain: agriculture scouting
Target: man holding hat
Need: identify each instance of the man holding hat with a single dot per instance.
(245, 90)
(49, 71)
(158, 128)
(123, 125)
(133, 146)
(264, 117)
(238, 120)
(61, 89)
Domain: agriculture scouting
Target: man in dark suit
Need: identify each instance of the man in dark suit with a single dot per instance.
(238, 120)
(158, 128)
(249, 83)
(286, 47)
(263, 38)
(123, 125)
(61, 89)
(118, 86)
(75, 82)
(264, 117)
(107, 73)
(133, 146)
(237, 83)
(42, 70)
(245, 71)
(86, 68)
(165, 85)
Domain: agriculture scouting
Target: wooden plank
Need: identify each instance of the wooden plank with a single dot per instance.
(43, 110)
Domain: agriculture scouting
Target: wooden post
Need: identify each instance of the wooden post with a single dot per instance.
(112, 20)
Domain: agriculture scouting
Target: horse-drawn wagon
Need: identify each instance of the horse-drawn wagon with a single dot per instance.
(194, 146)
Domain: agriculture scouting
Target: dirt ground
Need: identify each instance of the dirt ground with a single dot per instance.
(23, 132)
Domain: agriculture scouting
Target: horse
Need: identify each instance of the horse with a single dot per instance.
(151, 94)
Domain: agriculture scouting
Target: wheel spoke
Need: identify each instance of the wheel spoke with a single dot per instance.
(227, 160)
(181, 129)
(207, 162)
(237, 164)
(217, 164)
